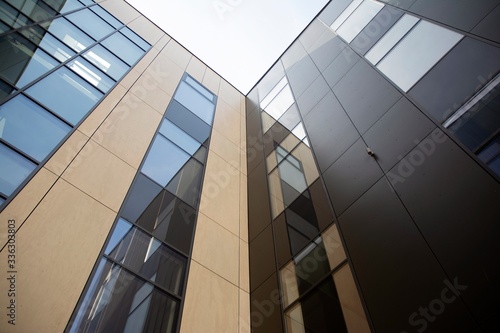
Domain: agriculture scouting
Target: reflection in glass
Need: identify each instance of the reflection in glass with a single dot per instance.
(187, 183)
(69, 34)
(66, 94)
(13, 169)
(188, 122)
(144, 254)
(179, 137)
(273, 93)
(117, 301)
(356, 22)
(30, 128)
(55, 48)
(123, 48)
(345, 14)
(164, 160)
(106, 62)
(5, 90)
(391, 37)
(195, 102)
(135, 38)
(34, 9)
(280, 104)
(415, 54)
(89, 22)
(90, 73)
(202, 90)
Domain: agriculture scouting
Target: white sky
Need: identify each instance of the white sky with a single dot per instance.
(239, 39)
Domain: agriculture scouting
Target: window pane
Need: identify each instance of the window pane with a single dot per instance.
(391, 37)
(345, 14)
(195, 102)
(425, 45)
(89, 22)
(135, 38)
(123, 48)
(148, 256)
(94, 76)
(187, 121)
(272, 94)
(142, 193)
(106, 16)
(67, 5)
(69, 34)
(30, 128)
(187, 183)
(66, 94)
(16, 52)
(36, 10)
(5, 90)
(39, 64)
(164, 160)
(280, 103)
(117, 301)
(202, 90)
(121, 229)
(14, 169)
(106, 62)
(359, 19)
(57, 49)
(179, 137)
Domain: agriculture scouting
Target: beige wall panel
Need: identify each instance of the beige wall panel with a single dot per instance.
(178, 54)
(146, 29)
(227, 150)
(333, 246)
(350, 302)
(146, 60)
(24, 203)
(211, 303)
(56, 250)
(162, 42)
(227, 122)
(212, 81)
(66, 153)
(122, 10)
(220, 195)
(129, 129)
(129, 79)
(147, 88)
(243, 134)
(243, 208)
(230, 95)
(244, 267)
(101, 175)
(165, 72)
(96, 117)
(244, 312)
(216, 249)
(196, 69)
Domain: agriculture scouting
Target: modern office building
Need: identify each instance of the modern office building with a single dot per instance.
(354, 189)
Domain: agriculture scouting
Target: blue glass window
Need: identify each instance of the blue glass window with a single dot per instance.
(136, 39)
(90, 73)
(13, 169)
(179, 137)
(187, 121)
(40, 63)
(195, 102)
(202, 90)
(106, 16)
(30, 128)
(106, 62)
(92, 24)
(66, 94)
(55, 48)
(69, 34)
(123, 47)
(164, 160)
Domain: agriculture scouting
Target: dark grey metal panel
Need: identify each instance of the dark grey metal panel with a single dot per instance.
(461, 14)
(312, 33)
(397, 132)
(456, 77)
(377, 27)
(350, 176)
(312, 95)
(365, 95)
(301, 75)
(403, 4)
(489, 27)
(326, 49)
(259, 211)
(333, 10)
(293, 55)
(340, 66)
(399, 277)
(330, 131)
(275, 74)
(455, 204)
(261, 254)
(265, 311)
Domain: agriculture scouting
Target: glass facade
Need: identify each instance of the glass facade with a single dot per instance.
(59, 60)
(144, 261)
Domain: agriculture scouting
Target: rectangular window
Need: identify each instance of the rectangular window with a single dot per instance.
(195, 102)
(123, 48)
(106, 62)
(92, 24)
(91, 74)
(69, 34)
(13, 169)
(363, 14)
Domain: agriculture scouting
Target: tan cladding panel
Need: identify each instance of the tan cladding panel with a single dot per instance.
(56, 249)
